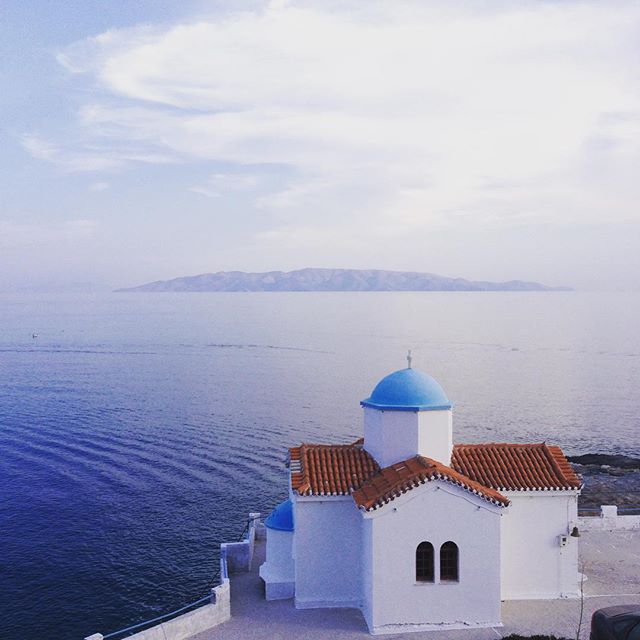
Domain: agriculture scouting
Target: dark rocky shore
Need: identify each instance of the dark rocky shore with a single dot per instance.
(608, 479)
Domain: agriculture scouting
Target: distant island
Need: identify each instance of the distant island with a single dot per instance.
(332, 280)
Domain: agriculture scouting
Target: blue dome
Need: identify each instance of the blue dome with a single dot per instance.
(281, 518)
(408, 390)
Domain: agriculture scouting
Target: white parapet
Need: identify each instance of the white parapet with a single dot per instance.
(194, 622)
(239, 555)
(219, 609)
(609, 520)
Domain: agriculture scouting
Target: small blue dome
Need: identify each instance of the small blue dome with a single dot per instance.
(408, 390)
(281, 518)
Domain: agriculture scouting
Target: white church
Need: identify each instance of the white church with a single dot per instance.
(419, 533)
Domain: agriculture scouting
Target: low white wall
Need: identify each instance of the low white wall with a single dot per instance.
(191, 623)
(234, 556)
(196, 621)
(609, 520)
(239, 555)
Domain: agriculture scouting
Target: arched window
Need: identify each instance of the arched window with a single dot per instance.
(449, 562)
(424, 562)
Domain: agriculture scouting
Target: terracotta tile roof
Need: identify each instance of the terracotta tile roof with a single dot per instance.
(515, 467)
(329, 469)
(391, 482)
(483, 469)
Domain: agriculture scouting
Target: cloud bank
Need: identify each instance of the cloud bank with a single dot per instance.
(388, 119)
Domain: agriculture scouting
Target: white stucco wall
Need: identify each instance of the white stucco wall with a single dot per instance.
(278, 572)
(534, 565)
(435, 435)
(393, 436)
(393, 600)
(327, 552)
(390, 436)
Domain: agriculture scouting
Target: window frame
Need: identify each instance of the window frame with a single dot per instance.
(425, 563)
(449, 564)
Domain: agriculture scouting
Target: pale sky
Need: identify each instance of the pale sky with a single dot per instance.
(153, 139)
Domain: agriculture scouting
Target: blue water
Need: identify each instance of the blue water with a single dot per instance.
(138, 430)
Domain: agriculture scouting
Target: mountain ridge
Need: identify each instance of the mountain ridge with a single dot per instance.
(324, 279)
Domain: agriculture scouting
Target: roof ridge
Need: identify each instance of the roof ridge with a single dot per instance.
(554, 452)
(554, 462)
(437, 464)
(499, 444)
(389, 483)
(324, 444)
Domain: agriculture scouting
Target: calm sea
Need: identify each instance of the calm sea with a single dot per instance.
(138, 430)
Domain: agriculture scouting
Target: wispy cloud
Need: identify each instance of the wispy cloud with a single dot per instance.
(99, 186)
(70, 160)
(392, 118)
(220, 184)
(89, 158)
(433, 101)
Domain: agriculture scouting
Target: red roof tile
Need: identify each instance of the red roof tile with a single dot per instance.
(330, 470)
(483, 469)
(391, 482)
(515, 467)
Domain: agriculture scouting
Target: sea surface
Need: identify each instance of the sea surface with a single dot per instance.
(138, 430)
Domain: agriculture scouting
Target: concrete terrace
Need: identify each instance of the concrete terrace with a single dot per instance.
(612, 566)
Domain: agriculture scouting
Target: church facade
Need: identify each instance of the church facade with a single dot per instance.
(419, 533)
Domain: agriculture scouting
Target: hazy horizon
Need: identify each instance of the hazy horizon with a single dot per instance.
(154, 140)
